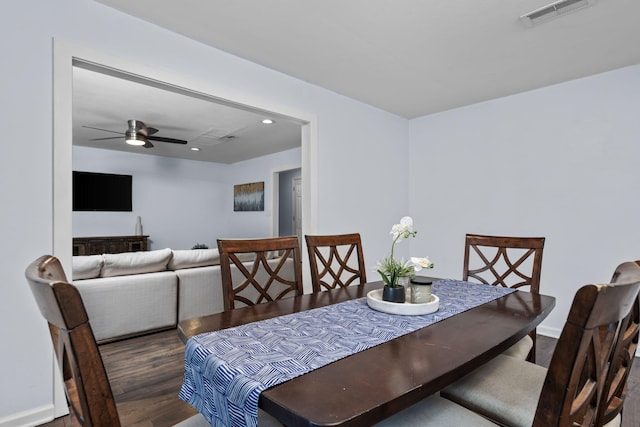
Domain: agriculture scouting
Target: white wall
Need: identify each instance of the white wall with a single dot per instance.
(181, 202)
(563, 157)
(354, 142)
(560, 162)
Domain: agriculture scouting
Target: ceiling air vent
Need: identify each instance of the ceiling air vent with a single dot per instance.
(554, 10)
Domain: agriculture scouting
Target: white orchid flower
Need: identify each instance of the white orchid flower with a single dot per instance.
(407, 222)
(389, 268)
(402, 230)
(396, 230)
(420, 263)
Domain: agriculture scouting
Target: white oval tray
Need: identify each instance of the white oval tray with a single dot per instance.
(375, 301)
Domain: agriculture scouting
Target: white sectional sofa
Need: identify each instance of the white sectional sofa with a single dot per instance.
(134, 293)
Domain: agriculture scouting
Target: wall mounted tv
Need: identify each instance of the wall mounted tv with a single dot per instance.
(101, 192)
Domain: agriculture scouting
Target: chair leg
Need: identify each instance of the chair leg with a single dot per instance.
(532, 354)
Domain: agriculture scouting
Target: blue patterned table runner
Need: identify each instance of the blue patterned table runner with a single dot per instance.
(226, 370)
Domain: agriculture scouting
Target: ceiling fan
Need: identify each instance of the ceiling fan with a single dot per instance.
(138, 134)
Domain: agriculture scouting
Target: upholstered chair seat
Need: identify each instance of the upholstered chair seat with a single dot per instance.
(505, 389)
(521, 349)
(585, 383)
(194, 421)
(435, 411)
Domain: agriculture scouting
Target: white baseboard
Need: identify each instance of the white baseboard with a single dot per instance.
(548, 332)
(29, 418)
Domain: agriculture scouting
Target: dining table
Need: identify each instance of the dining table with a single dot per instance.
(373, 384)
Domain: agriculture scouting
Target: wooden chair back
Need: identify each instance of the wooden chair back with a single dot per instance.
(263, 270)
(574, 387)
(87, 386)
(615, 388)
(335, 261)
(512, 262)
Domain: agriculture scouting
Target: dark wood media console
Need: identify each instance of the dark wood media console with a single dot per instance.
(109, 244)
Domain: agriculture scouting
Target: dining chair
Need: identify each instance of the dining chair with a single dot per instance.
(615, 388)
(259, 270)
(87, 387)
(335, 261)
(580, 385)
(511, 262)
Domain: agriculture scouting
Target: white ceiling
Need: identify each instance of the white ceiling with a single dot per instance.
(409, 57)
(224, 134)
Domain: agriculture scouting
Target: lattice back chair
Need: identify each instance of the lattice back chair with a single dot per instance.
(87, 387)
(512, 262)
(590, 339)
(335, 261)
(615, 388)
(573, 391)
(255, 271)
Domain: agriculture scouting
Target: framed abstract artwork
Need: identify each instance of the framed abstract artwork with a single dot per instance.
(248, 197)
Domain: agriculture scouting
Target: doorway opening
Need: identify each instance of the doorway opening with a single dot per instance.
(290, 203)
(65, 55)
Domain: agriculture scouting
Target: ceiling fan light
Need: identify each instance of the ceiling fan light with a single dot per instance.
(135, 138)
(134, 141)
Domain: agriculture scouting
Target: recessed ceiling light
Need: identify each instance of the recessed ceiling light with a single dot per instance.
(268, 121)
(195, 149)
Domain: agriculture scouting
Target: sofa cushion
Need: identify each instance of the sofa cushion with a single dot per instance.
(190, 258)
(199, 292)
(135, 262)
(86, 266)
(124, 305)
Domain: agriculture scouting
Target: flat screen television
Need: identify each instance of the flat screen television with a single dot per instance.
(105, 192)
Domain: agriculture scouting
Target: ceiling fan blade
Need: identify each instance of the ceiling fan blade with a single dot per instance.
(148, 144)
(162, 139)
(106, 130)
(151, 131)
(102, 139)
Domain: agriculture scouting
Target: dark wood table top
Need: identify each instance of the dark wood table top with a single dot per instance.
(374, 384)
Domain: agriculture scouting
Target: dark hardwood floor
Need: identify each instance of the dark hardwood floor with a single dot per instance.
(146, 374)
